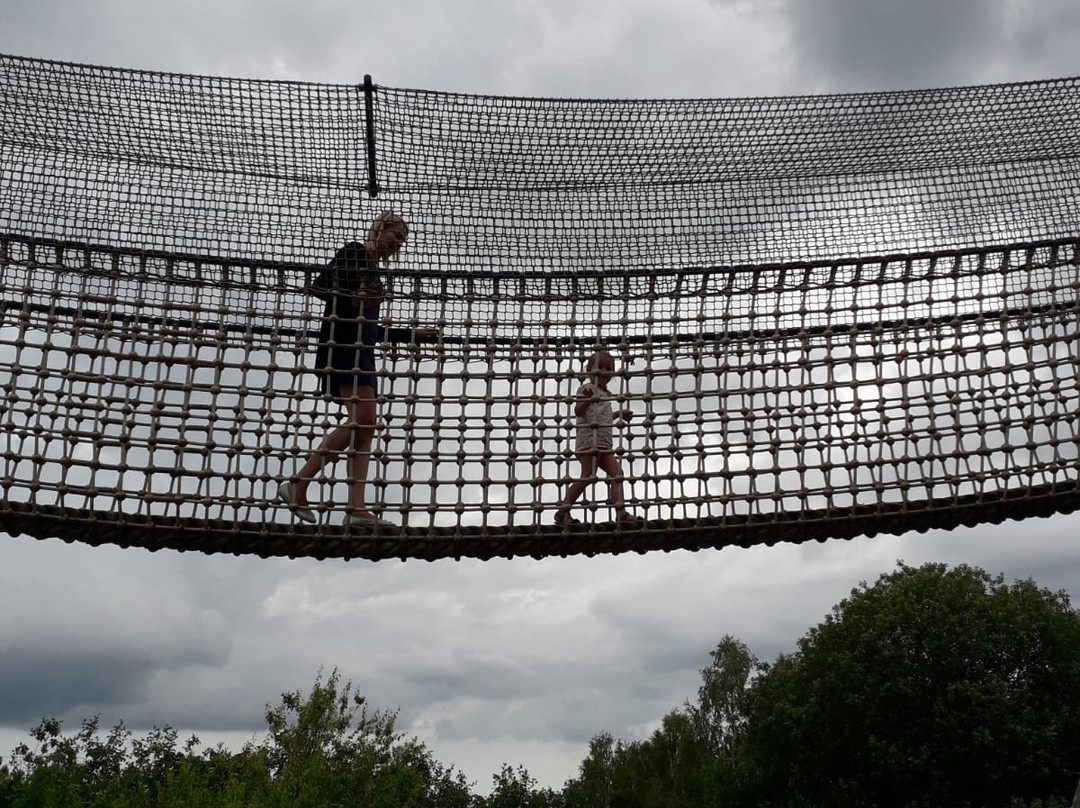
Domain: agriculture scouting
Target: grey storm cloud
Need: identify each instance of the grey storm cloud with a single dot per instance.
(47, 681)
(84, 637)
(49, 672)
(890, 44)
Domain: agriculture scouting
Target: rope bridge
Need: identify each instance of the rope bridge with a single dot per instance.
(831, 316)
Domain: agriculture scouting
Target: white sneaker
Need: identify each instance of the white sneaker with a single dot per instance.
(352, 520)
(285, 495)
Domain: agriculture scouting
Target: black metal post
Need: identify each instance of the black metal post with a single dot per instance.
(369, 109)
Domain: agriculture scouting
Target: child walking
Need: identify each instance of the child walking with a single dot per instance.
(595, 444)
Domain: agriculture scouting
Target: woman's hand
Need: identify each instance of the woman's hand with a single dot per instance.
(626, 415)
(371, 295)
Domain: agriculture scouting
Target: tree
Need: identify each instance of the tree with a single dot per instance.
(932, 687)
(689, 760)
(516, 788)
(719, 716)
(328, 749)
(666, 770)
(593, 786)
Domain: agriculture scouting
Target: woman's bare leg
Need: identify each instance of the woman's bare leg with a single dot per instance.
(336, 441)
(363, 424)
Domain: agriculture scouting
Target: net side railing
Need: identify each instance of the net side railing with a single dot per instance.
(831, 315)
(950, 398)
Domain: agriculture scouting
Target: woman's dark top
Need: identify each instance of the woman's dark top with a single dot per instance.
(348, 336)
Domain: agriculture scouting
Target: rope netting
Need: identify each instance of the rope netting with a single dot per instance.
(831, 316)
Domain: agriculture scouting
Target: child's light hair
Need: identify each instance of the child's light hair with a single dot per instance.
(594, 360)
(382, 221)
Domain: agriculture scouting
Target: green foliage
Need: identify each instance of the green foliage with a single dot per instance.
(719, 717)
(323, 749)
(595, 783)
(516, 788)
(933, 687)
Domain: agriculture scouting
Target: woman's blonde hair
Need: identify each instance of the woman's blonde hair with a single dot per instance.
(382, 221)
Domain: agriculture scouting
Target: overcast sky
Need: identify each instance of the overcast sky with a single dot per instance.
(517, 661)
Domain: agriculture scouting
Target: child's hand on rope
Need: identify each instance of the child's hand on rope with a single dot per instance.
(626, 415)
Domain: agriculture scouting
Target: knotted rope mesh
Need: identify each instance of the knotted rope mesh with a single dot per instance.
(831, 315)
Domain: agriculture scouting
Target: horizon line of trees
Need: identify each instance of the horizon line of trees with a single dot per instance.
(933, 687)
